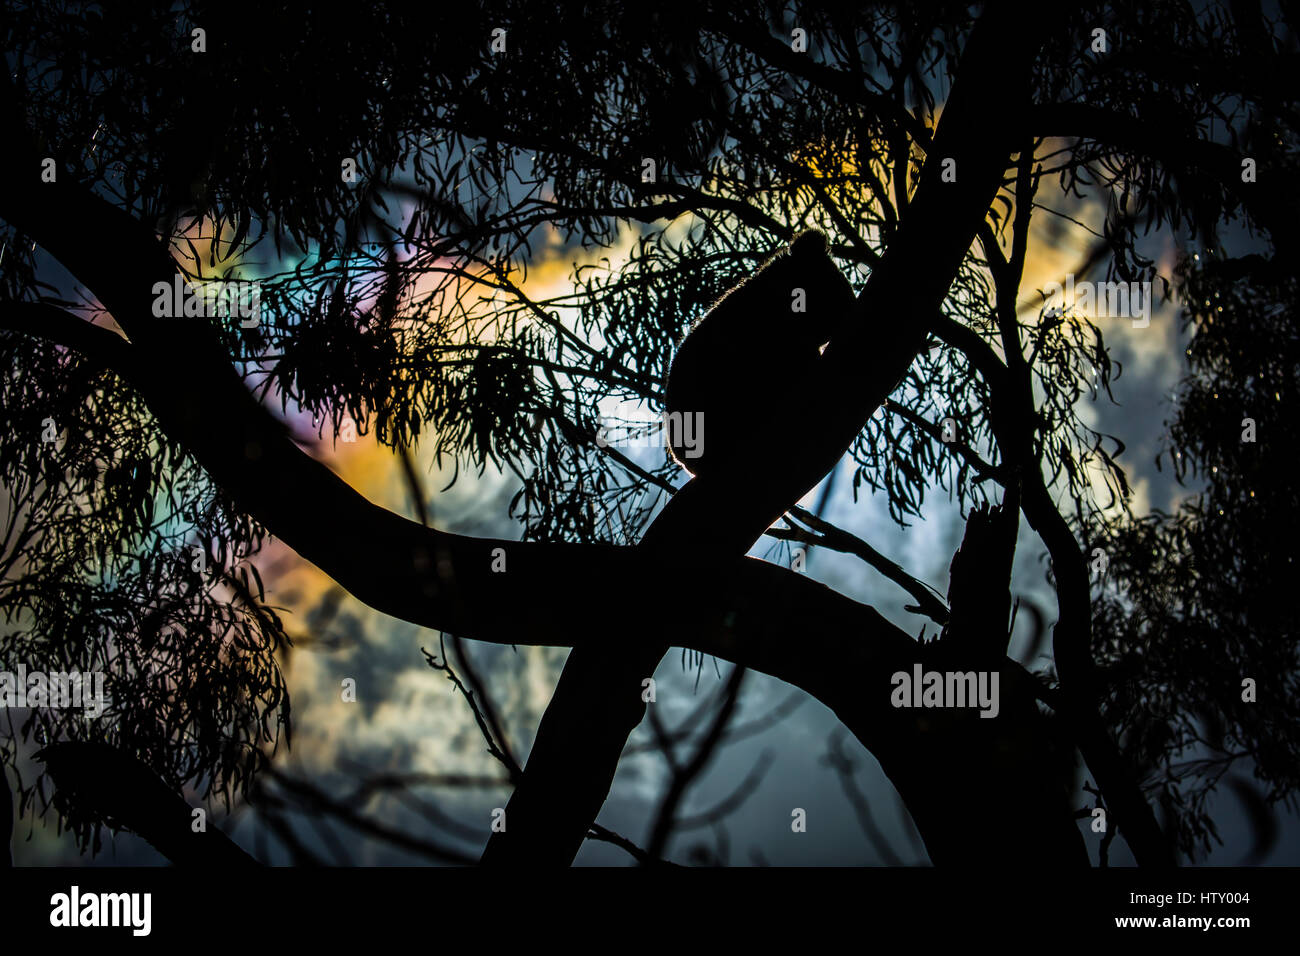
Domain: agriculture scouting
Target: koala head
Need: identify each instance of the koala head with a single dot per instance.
(828, 297)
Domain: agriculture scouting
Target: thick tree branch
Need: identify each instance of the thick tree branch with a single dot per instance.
(98, 780)
(463, 594)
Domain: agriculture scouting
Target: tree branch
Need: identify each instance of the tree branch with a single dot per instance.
(1268, 200)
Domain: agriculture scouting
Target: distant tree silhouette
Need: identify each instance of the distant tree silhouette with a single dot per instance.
(1200, 600)
(700, 136)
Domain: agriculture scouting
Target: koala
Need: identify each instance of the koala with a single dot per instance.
(738, 378)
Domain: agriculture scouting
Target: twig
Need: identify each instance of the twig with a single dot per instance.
(843, 766)
(685, 775)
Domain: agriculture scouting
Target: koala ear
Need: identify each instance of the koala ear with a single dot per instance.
(808, 244)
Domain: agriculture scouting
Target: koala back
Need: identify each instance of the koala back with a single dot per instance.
(763, 332)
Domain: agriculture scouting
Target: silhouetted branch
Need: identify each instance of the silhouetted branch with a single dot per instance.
(729, 804)
(683, 775)
(928, 602)
(313, 798)
(1150, 136)
(598, 832)
(752, 728)
(844, 767)
(97, 782)
(493, 746)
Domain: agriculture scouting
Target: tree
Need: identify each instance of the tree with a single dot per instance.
(1213, 611)
(404, 170)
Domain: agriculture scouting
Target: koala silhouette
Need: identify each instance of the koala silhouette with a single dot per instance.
(739, 376)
